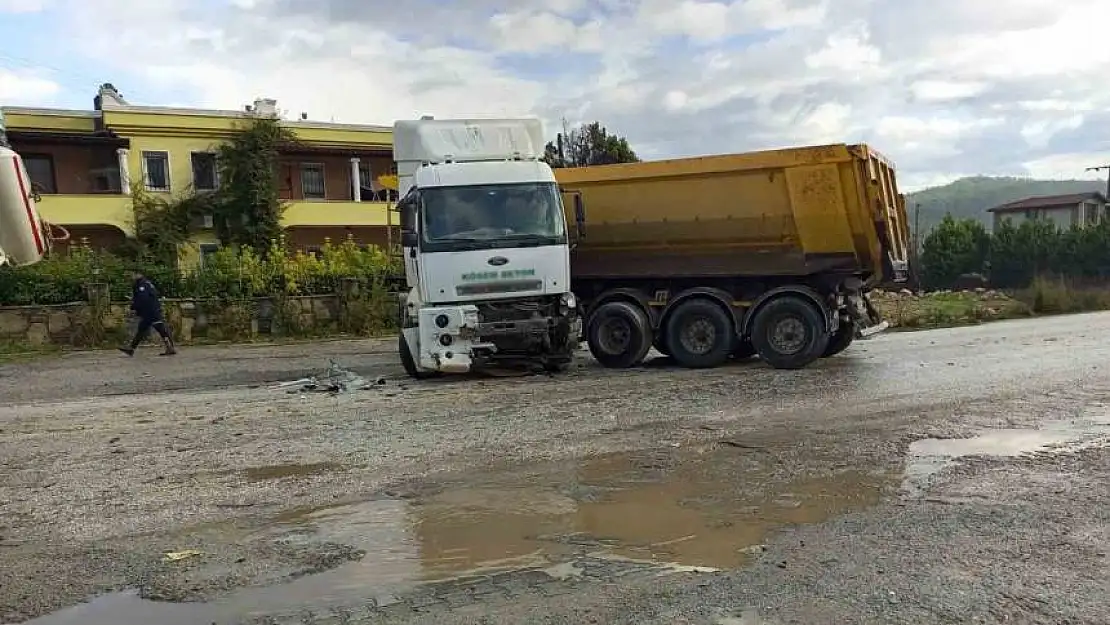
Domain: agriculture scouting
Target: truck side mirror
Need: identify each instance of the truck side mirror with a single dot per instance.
(580, 215)
(408, 238)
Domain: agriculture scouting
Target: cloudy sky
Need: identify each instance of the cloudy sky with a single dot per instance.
(944, 87)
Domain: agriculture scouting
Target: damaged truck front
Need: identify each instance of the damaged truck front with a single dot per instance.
(485, 248)
(769, 253)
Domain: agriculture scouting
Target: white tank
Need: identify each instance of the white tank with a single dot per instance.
(24, 237)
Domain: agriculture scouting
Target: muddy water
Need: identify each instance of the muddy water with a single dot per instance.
(929, 456)
(697, 509)
(281, 471)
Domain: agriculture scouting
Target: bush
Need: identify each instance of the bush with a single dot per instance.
(1015, 255)
(953, 249)
(1054, 295)
(230, 274)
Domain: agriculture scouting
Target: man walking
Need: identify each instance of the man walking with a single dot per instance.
(147, 305)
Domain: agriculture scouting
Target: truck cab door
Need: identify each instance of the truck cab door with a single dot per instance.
(410, 235)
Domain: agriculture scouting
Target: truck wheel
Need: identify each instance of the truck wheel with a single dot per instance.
(408, 363)
(789, 333)
(699, 334)
(840, 340)
(619, 335)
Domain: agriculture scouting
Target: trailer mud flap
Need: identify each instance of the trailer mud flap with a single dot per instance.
(871, 323)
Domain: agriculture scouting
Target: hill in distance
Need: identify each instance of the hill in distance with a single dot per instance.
(971, 197)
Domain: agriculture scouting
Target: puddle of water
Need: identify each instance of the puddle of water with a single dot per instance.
(280, 471)
(704, 514)
(929, 456)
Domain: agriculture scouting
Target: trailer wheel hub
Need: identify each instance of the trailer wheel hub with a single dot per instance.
(699, 336)
(615, 335)
(788, 335)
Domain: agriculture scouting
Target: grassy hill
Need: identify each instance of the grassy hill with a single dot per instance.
(971, 197)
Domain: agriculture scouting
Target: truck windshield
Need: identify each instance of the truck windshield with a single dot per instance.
(491, 216)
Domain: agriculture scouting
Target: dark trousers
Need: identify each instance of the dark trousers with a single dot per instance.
(145, 324)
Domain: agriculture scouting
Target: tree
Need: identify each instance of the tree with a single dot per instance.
(247, 209)
(589, 144)
(954, 248)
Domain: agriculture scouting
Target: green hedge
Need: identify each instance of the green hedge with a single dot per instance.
(1013, 256)
(227, 274)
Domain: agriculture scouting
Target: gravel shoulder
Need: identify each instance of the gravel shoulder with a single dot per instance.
(108, 463)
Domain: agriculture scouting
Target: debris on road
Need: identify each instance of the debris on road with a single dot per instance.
(177, 556)
(335, 380)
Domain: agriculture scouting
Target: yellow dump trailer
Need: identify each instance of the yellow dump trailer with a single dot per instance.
(768, 253)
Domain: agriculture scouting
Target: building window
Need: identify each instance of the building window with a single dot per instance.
(40, 169)
(206, 252)
(312, 181)
(366, 182)
(156, 171)
(1091, 210)
(314, 251)
(205, 176)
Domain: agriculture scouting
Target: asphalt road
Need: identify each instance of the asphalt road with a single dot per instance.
(951, 476)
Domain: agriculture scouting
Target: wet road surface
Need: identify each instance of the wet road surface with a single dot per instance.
(951, 476)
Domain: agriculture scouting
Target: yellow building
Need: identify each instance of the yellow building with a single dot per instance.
(84, 163)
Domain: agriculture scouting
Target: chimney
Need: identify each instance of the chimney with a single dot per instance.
(266, 107)
(108, 96)
(304, 116)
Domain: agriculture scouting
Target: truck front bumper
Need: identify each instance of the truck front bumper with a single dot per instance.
(454, 340)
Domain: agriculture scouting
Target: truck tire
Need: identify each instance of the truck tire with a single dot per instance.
(408, 363)
(840, 340)
(619, 335)
(789, 333)
(699, 334)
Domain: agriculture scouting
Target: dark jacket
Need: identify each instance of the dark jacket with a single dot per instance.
(145, 301)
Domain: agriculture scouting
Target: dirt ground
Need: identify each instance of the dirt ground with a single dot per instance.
(949, 476)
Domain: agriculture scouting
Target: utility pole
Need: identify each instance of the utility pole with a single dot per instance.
(1107, 169)
(916, 227)
(915, 255)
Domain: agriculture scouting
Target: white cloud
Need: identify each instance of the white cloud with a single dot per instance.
(945, 87)
(937, 91)
(707, 21)
(533, 31)
(908, 182)
(23, 6)
(1039, 132)
(849, 53)
(1071, 165)
(26, 88)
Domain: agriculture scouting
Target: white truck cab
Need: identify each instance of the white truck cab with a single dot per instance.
(485, 247)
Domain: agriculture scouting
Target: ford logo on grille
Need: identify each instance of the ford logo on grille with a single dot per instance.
(497, 261)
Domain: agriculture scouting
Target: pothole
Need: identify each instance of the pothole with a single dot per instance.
(928, 457)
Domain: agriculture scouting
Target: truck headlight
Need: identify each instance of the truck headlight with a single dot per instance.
(568, 302)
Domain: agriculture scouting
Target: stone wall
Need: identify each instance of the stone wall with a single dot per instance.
(99, 322)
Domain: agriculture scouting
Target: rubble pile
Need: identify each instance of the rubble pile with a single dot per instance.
(909, 309)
